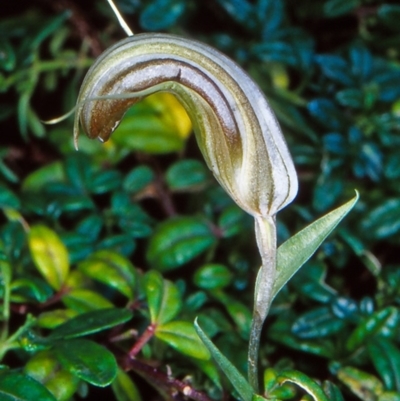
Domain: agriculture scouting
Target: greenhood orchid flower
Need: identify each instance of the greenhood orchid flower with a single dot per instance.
(234, 125)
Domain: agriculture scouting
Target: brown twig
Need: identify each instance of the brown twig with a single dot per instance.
(162, 380)
(142, 341)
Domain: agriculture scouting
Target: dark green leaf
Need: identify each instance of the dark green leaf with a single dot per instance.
(281, 333)
(278, 51)
(380, 323)
(88, 361)
(79, 171)
(90, 227)
(212, 276)
(335, 8)
(163, 298)
(104, 181)
(270, 14)
(231, 221)
(240, 10)
(177, 241)
(350, 97)
(386, 358)
(326, 113)
(361, 62)
(238, 312)
(90, 322)
(384, 220)
(337, 69)
(326, 193)
(317, 323)
(137, 179)
(30, 288)
(186, 175)
(7, 55)
(20, 387)
(123, 244)
(161, 14)
(389, 14)
(8, 199)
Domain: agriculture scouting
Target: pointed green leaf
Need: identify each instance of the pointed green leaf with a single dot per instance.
(237, 380)
(383, 322)
(298, 249)
(163, 298)
(183, 337)
(20, 387)
(49, 255)
(87, 360)
(303, 381)
(91, 322)
(111, 269)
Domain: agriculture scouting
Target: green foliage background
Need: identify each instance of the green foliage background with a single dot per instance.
(140, 225)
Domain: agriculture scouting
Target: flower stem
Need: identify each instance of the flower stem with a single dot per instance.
(266, 240)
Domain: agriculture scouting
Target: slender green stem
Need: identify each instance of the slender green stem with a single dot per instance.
(5, 270)
(266, 240)
(12, 342)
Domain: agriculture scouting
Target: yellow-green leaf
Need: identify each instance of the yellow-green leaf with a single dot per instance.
(49, 255)
(82, 300)
(183, 337)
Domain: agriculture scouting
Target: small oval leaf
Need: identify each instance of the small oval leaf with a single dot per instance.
(183, 337)
(49, 255)
(112, 269)
(177, 241)
(163, 298)
(89, 361)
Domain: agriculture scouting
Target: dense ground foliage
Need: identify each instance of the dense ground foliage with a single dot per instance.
(139, 224)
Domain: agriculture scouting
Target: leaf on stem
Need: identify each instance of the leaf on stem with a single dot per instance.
(238, 381)
(298, 249)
